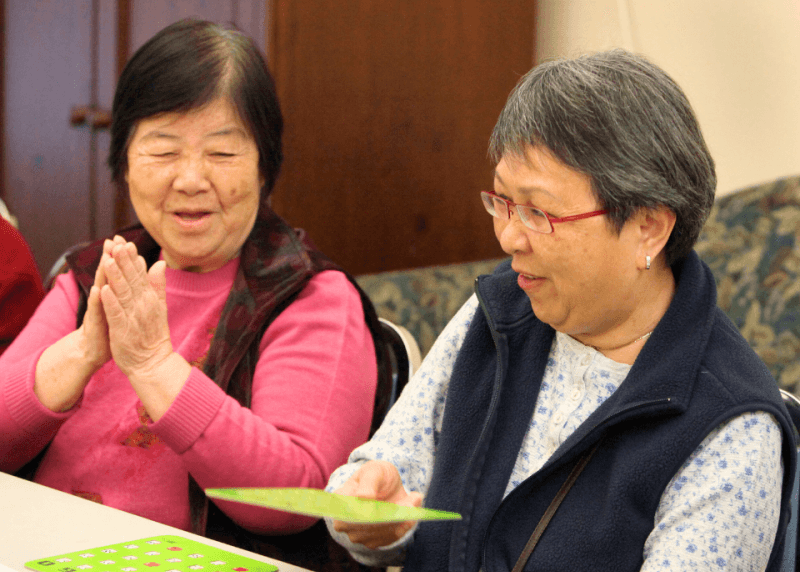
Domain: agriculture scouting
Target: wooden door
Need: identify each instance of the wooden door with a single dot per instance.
(389, 106)
(53, 173)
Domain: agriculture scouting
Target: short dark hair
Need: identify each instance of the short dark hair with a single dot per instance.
(187, 65)
(625, 123)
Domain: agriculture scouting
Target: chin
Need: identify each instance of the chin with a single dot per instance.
(548, 318)
(540, 314)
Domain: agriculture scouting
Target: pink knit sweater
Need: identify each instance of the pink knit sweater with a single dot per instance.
(312, 401)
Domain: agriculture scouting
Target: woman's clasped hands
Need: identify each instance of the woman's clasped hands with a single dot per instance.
(134, 308)
(125, 320)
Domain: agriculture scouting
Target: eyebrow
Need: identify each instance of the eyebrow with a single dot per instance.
(527, 190)
(224, 132)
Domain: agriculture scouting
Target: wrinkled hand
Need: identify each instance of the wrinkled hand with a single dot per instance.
(377, 480)
(94, 329)
(64, 368)
(135, 307)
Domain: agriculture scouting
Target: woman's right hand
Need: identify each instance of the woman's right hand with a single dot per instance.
(64, 369)
(378, 480)
(94, 329)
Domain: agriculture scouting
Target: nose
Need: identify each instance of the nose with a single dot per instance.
(192, 175)
(512, 234)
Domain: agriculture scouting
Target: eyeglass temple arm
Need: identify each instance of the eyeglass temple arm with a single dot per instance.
(576, 217)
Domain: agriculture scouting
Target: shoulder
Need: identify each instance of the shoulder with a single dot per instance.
(328, 300)
(330, 285)
(9, 234)
(14, 248)
(731, 372)
(453, 334)
(730, 359)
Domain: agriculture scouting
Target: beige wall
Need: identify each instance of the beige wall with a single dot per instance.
(737, 60)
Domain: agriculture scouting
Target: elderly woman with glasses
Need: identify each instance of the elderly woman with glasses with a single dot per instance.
(590, 407)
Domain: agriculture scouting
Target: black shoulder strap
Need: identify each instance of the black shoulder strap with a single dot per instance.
(551, 510)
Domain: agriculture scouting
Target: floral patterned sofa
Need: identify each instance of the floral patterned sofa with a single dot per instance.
(751, 242)
(423, 300)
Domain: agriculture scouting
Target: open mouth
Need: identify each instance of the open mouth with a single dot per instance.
(191, 216)
(526, 276)
(529, 281)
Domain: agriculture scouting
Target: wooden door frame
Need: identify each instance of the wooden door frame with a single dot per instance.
(121, 209)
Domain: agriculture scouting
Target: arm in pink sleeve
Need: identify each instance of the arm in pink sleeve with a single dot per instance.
(313, 392)
(26, 425)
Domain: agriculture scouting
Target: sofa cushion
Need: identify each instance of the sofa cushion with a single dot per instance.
(424, 299)
(751, 244)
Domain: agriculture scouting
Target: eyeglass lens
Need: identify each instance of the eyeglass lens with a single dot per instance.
(532, 217)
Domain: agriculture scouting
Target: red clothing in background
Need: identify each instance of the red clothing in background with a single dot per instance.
(20, 284)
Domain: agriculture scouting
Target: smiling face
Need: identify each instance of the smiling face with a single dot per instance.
(194, 183)
(582, 279)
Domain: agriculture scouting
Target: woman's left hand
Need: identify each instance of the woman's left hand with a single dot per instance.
(135, 305)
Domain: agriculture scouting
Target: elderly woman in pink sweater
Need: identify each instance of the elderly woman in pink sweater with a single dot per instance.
(214, 347)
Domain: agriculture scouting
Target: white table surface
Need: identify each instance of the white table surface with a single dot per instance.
(37, 521)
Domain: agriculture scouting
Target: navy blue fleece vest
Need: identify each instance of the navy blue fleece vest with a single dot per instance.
(695, 372)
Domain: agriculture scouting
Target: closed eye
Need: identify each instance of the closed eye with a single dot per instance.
(502, 196)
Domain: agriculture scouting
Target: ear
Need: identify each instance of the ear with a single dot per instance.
(654, 227)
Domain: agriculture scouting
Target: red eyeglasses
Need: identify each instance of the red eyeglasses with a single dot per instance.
(535, 219)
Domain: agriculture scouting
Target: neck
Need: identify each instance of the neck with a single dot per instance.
(623, 342)
(641, 339)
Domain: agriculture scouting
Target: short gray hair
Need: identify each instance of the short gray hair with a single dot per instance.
(625, 123)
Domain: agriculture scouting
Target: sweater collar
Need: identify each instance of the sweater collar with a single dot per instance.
(203, 283)
(271, 239)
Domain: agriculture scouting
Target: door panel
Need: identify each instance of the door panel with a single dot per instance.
(148, 17)
(389, 106)
(47, 71)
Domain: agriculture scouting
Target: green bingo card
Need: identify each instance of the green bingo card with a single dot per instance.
(156, 554)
